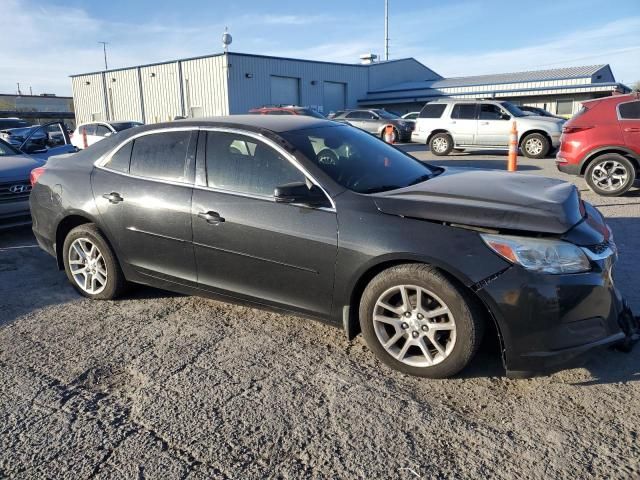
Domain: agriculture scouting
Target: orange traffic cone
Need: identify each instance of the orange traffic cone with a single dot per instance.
(389, 136)
(84, 138)
(512, 164)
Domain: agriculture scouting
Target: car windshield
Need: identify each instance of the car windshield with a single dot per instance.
(357, 160)
(7, 150)
(387, 115)
(118, 127)
(512, 109)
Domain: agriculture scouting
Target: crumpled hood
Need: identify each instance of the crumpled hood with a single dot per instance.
(488, 198)
(17, 166)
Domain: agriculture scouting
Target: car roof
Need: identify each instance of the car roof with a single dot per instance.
(273, 123)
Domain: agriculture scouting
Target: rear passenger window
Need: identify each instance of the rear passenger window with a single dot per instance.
(120, 160)
(629, 110)
(464, 111)
(242, 164)
(161, 156)
(434, 110)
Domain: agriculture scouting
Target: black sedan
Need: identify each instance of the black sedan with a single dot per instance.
(316, 218)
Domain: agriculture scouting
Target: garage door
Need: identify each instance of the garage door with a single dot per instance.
(334, 96)
(285, 91)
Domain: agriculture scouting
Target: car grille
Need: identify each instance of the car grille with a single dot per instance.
(14, 191)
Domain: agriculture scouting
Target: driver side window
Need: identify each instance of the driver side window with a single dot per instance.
(488, 111)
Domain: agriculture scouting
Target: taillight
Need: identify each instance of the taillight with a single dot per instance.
(566, 129)
(35, 175)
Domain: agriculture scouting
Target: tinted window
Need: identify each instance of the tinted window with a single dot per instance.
(488, 111)
(356, 115)
(102, 131)
(161, 156)
(387, 115)
(357, 160)
(464, 111)
(120, 160)
(119, 126)
(12, 123)
(630, 110)
(242, 164)
(88, 129)
(512, 109)
(433, 110)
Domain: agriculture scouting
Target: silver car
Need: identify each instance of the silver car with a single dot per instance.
(375, 121)
(450, 124)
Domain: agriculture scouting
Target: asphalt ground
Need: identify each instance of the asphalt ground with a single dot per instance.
(160, 385)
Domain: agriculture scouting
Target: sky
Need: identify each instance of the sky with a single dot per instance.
(46, 41)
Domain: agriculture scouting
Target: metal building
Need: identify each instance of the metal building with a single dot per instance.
(559, 90)
(230, 83)
(37, 108)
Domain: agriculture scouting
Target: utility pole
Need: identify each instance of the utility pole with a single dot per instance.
(386, 29)
(19, 92)
(104, 49)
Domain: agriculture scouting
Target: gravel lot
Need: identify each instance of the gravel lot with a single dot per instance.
(159, 385)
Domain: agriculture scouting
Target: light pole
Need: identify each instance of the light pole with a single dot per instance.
(386, 29)
(104, 49)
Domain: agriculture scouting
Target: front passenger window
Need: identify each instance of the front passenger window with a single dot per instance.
(242, 164)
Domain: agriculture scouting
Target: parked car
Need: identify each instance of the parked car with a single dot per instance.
(15, 168)
(449, 124)
(602, 142)
(97, 131)
(315, 218)
(13, 122)
(541, 112)
(286, 110)
(332, 115)
(374, 121)
(41, 141)
(411, 116)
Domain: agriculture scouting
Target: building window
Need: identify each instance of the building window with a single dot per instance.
(564, 107)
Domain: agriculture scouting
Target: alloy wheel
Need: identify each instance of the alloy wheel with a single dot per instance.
(87, 266)
(609, 175)
(534, 146)
(440, 144)
(414, 325)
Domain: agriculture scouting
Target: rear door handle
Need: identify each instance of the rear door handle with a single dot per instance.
(632, 129)
(113, 197)
(213, 218)
(484, 123)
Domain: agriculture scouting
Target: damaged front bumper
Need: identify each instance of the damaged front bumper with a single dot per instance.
(546, 320)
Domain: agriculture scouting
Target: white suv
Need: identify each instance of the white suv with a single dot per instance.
(450, 124)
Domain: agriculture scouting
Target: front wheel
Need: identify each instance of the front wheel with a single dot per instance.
(418, 322)
(441, 144)
(91, 265)
(610, 175)
(535, 145)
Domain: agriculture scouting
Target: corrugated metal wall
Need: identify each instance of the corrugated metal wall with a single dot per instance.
(88, 97)
(123, 94)
(392, 73)
(161, 92)
(205, 86)
(250, 81)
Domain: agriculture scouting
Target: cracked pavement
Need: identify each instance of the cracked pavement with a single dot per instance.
(159, 385)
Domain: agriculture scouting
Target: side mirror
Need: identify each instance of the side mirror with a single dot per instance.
(299, 192)
(505, 116)
(108, 134)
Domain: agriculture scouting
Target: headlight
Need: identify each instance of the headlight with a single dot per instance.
(538, 254)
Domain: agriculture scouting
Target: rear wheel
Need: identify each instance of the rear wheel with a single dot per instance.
(91, 265)
(535, 145)
(441, 144)
(610, 175)
(416, 321)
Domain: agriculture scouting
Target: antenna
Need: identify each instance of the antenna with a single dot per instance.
(386, 29)
(226, 39)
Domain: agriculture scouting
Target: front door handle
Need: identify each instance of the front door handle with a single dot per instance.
(213, 218)
(632, 129)
(484, 123)
(113, 197)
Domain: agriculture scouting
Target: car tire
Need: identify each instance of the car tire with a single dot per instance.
(600, 175)
(535, 145)
(90, 264)
(441, 144)
(450, 319)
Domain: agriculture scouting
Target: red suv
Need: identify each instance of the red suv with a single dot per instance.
(602, 142)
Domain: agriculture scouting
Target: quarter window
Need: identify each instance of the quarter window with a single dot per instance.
(434, 110)
(120, 160)
(629, 110)
(161, 156)
(242, 164)
(464, 111)
(88, 129)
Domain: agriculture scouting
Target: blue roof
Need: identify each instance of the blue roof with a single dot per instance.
(499, 78)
